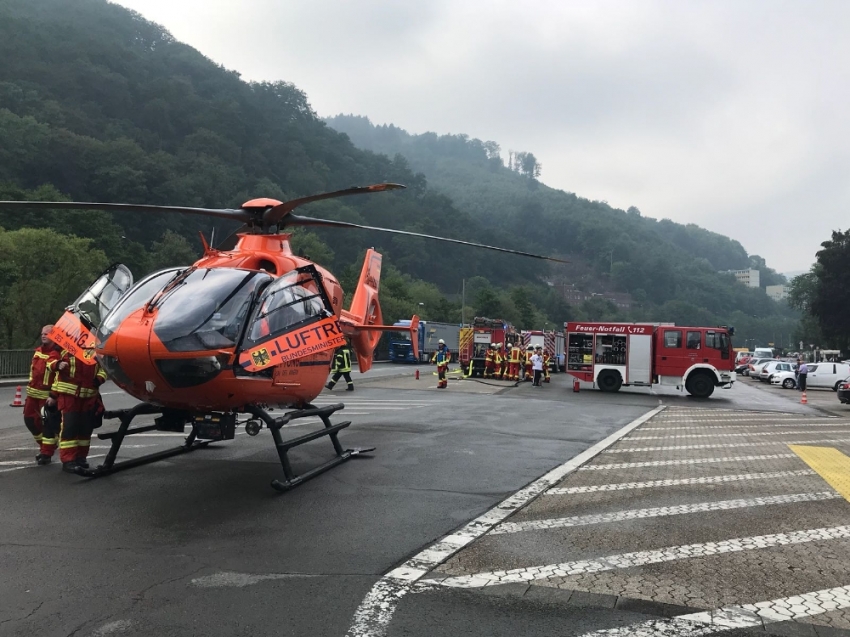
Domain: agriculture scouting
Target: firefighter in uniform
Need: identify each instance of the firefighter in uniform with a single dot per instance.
(516, 357)
(546, 360)
(38, 396)
(529, 352)
(489, 361)
(498, 362)
(442, 357)
(341, 367)
(78, 398)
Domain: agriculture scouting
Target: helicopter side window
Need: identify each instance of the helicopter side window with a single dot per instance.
(207, 309)
(293, 299)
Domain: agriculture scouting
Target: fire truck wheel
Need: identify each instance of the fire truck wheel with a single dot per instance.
(700, 385)
(609, 381)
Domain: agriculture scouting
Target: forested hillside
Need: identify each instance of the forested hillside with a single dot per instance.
(673, 271)
(99, 104)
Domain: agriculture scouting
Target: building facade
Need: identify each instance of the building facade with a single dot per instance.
(777, 292)
(748, 277)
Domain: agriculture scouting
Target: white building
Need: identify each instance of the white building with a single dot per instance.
(748, 277)
(777, 292)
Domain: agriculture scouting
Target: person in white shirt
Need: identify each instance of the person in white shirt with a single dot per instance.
(537, 365)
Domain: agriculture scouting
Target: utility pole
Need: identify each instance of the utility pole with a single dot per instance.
(462, 301)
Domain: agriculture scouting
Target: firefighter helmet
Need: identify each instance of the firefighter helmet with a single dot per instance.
(530, 347)
(441, 342)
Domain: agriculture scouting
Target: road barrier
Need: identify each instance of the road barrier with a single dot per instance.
(15, 363)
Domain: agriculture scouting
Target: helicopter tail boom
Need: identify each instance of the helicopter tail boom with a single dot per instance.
(362, 322)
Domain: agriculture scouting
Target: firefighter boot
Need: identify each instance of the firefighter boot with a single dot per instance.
(42, 459)
(350, 388)
(69, 467)
(329, 386)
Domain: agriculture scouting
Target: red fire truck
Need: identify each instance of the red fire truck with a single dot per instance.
(611, 355)
(476, 338)
(552, 343)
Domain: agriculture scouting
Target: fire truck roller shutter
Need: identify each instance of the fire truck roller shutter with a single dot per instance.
(640, 359)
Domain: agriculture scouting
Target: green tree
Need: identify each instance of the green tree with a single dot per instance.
(830, 295)
(170, 251)
(42, 272)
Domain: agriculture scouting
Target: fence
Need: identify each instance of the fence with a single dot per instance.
(15, 363)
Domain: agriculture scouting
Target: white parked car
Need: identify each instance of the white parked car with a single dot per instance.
(771, 368)
(827, 375)
(755, 366)
(788, 380)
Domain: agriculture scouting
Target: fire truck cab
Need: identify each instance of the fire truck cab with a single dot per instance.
(611, 355)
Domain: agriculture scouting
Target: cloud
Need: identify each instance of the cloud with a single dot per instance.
(729, 114)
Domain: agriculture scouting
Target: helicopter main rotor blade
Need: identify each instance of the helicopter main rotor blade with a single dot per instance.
(225, 213)
(297, 220)
(273, 216)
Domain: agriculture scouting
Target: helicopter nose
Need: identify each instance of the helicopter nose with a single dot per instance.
(125, 356)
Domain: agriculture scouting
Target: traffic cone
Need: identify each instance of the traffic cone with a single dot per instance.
(17, 402)
(803, 399)
(417, 374)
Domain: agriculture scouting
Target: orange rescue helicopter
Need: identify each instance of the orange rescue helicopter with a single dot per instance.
(236, 332)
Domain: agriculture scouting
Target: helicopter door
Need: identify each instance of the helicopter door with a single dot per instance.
(293, 318)
(101, 296)
(74, 331)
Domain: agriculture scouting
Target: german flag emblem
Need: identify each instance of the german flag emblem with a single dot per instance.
(260, 358)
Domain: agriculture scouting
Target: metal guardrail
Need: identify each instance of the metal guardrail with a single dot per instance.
(15, 363)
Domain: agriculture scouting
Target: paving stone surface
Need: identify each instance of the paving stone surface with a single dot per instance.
(700, 509)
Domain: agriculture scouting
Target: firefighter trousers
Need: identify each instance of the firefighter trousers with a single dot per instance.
(442, 383)
(335, 378)
(513, 372)
(489, 370)
(79, 420)
(32, 418)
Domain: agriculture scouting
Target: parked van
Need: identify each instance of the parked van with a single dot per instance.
(827, 375)
(763, 352)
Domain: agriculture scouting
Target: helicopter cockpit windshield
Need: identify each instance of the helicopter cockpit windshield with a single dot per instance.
(207, 309)
(295, 299)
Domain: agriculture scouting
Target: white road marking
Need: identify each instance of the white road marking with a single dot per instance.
(738, 435)
(622, 486)
(375, 612)
(726, 445)
(32, 465)
(118, 626)
(670, 463)
(640, 558)
(6, 463)
(808, 423)
(657, 512)
(732, 617)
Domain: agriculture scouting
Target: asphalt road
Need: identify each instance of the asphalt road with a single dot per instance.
(201, 545)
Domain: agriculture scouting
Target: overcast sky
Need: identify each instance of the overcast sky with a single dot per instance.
(731, 114)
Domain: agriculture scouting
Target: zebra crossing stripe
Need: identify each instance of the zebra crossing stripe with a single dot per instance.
(657, 512)
(739, 435)
(725, 445)
(686, 461)
(808, 423)
(639, 558)
(734, 617)
(623, 486)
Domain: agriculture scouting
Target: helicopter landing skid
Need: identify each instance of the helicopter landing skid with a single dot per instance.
(117, 437)
(283, 446)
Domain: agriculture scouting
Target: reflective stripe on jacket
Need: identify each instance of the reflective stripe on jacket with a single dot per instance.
(81, 381)
(41, 372)
(342, 361)
(442, 356)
